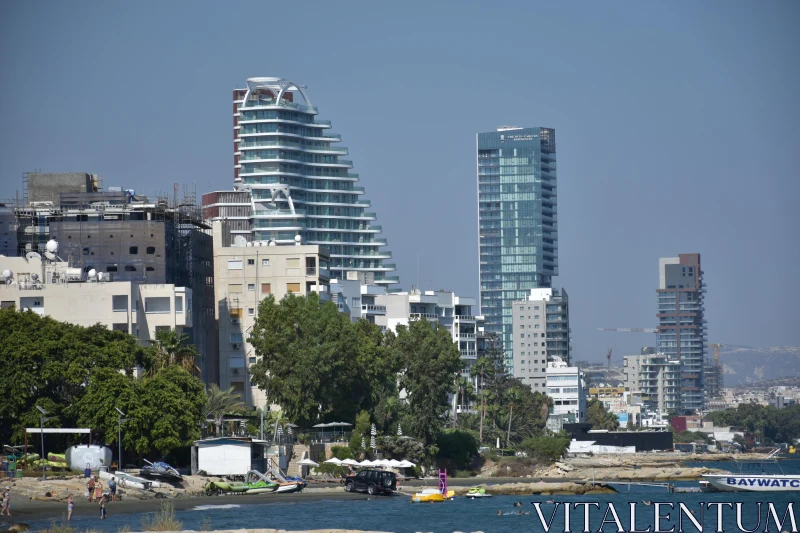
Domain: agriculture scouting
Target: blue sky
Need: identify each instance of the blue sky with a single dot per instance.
(677, 128)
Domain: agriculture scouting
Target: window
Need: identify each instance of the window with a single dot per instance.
(234, 264)
(7, 303)
(119, 302)
(236, 338)
(150, 269)
(536, 326)
(85, 251)
(535, 307)
(265, 288)
(123, 326)
(536, 317)
(293, 262)
(251, 286)
(522, 326)
(111, 268)
(293, 288)
(234, 288)
(251, 311)
(522, 335)
(151, 249)
(236, 361)
(130, 268)
(523, 361)
(179, 304)
(265, 262)
(251, 261)
(157, 304)
(133, 250)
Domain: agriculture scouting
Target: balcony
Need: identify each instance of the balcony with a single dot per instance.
(466, 335)
(373, 309)
(465, 317)
(417, 316)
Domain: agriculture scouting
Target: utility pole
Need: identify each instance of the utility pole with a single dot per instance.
(42, 420)
(120, 420)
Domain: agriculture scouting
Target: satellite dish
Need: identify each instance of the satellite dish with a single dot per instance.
(92, 273)
(298, 239)
(239, 241)
(50, 255)
(272, 243)
(35, 276)
(32, 255)
(51, 246)
(250, 244)
(99, 276)
(8, 274)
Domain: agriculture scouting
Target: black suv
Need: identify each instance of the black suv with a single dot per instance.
(372, 481)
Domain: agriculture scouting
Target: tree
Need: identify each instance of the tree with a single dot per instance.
(49, 363)
(360, 430)
(457, 449)
(546, 447)
(172, 348)
(482, 369)
(307, 354)
(465, 391)
(430, 359)
(220, 403)
(599, 417)
(513, 397)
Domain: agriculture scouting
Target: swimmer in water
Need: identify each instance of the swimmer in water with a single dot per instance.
(647, 502)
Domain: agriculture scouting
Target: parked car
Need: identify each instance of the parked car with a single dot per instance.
(372, 481)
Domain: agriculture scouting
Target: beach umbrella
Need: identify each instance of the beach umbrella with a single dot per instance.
(363, 442)
(406, 464)
(367, 462)
(349, 462)
(394, 463)
(399, 431)
(334, 461)
(308, 462)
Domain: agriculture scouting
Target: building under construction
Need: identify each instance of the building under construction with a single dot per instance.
(126, 236)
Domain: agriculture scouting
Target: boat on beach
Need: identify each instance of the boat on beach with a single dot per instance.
(160, 470)
(128, 481)
(432, 495)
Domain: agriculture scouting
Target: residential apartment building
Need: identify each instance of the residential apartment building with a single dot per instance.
(53, 288)
(682, 325)
(565, 384)
(297, 183)
(541, 333)
(656, 379)
(358, 300)
(246, 273)
(517, 221)
(126, 237)
(454, 313)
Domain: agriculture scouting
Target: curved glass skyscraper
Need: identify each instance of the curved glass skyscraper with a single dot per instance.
(287, 159)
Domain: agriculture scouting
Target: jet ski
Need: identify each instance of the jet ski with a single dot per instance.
(160, 470)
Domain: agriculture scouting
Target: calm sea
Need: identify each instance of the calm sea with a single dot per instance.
(397, 514)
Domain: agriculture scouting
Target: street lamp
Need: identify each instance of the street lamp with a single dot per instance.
(42, 419)
(120, 420)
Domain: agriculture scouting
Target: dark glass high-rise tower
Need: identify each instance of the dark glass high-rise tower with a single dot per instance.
(517, 224)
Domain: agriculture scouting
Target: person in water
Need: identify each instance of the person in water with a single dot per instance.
(70, 506)
(103, 507)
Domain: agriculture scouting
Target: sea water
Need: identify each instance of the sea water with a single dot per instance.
(397, 514)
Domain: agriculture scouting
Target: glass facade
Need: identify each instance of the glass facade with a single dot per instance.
(300, 187)
(682, 325)
(518, 230)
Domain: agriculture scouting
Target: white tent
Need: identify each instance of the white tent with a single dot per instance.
(350, 462)
(406, 464)
(307, 462)
(394, 463)
(367, 462)
(334, 461)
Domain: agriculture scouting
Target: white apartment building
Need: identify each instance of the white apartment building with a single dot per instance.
(357, 300)
(541, 333)
(565, 384)
(454, 313)
(50, 287)
(655, 378)
(244, 274)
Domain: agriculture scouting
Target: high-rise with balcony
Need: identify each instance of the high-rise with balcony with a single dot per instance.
(517, 223)
(298, 185)
(681, 324)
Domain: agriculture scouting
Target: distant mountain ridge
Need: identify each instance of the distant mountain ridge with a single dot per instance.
(743, 365)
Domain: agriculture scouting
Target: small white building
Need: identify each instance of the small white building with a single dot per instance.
(565, 384)
(230, 456)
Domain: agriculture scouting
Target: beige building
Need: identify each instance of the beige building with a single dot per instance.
(52, 288)
(244, 274)
(655, 378)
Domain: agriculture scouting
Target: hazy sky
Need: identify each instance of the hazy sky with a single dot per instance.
(676, 123)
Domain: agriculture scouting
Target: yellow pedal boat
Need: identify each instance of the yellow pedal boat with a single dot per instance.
(431, 495)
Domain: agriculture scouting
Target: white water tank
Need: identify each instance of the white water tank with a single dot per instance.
(73, 274)
(91, 455)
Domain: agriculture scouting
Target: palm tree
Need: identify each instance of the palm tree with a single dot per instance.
(514, 397)
(482, 368)
(277, 418)
(220, 403)
(171, 348)
(465, 391)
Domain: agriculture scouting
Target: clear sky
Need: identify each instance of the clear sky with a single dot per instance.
(676, 123)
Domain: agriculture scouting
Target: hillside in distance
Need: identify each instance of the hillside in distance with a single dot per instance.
(745, 366)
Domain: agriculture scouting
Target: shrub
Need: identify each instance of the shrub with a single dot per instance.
(458, 449)
(342, 452)
(545, 448)
(59, 527)
(163, 520)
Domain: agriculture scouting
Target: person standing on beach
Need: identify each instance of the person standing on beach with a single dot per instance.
(98, 489)
(6, 509)
(112, 487)
(90, 487)
(103, 507)
(70, 505)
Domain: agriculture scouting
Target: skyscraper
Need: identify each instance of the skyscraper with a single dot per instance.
(299, 185)
(681, 324)
(518, 232)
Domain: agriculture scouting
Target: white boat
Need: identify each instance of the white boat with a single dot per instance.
(753, 482)
(128, 481)
(291, 486)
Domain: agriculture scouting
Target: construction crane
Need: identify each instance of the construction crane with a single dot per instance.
(608, 372)
(633, 330)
